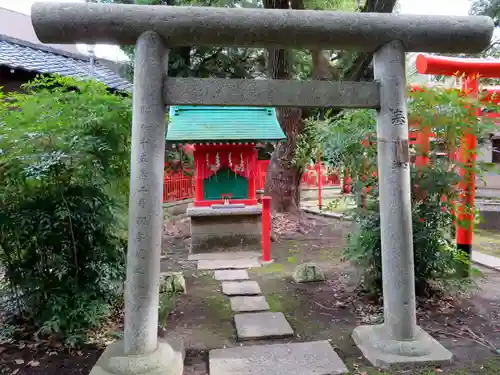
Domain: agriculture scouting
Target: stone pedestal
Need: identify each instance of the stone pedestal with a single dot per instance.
(383, 351)
(168, 358)
(225, 227)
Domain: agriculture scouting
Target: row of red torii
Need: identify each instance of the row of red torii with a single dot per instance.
(470, 70)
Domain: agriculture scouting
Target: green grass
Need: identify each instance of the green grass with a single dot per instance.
(269, 268)
(491, 367)
(339, 205)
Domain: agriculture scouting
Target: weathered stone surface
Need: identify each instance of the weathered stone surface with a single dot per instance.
(249, 303)
(240, 288)
(308, 358)
(398, 271)
(383, 351)
(262, 325)
(224, 210)
(146, 191)
(283, 93)
(239, 27)
(225, 255)
(228, 264)
(308, 273)
(225, 230)
(168, 358)
(172, 282)
(231, 275)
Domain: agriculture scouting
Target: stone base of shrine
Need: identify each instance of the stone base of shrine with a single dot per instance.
(225, 228)
(383, 352)
(167, 359)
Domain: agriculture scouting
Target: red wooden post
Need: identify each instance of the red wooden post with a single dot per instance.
(423, 147)
(198, 190)
(365, 189)
(465, 231)
(320, 185)
(347, 182)
(266, 229)
(252, 178)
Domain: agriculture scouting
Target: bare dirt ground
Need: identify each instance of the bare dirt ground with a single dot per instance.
(469, 327)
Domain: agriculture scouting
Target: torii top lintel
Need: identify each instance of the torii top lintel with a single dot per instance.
(122, 24)
(449, 66)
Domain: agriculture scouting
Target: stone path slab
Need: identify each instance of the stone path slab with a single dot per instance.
(486, 260)
(225, 255)
(249, 303)
(240, 288)
(262, 325)
(308, 358)
(227, 264)
(228, 275)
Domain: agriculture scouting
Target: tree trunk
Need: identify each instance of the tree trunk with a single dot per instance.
(283, 177)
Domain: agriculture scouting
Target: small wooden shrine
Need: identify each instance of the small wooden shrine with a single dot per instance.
(225, 211)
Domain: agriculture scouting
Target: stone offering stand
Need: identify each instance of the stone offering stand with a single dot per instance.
(154, 29)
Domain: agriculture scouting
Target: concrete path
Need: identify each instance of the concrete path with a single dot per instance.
(254, 321)
(308, 358)
(227, 264)
(486, 260)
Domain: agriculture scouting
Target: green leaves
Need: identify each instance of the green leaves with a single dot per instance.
(64, 166)
(449, 115)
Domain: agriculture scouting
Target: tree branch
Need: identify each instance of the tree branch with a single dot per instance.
(358, 69)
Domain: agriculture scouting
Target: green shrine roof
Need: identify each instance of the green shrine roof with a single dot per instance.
(191, 124)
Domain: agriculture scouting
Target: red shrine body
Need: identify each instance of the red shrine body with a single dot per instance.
(239, 159)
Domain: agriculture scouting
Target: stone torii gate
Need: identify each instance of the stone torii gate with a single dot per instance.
(154, 29)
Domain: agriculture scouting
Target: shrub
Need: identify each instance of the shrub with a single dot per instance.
(64, 167)
(435, 254)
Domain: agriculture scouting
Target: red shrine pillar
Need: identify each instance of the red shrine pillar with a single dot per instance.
(320, 185)
(467, 193)
(423, 144)
(266, 229)
(198, 173)
(252, 175)
(347, 181)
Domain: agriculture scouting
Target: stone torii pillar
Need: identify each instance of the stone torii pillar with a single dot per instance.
(399, 339)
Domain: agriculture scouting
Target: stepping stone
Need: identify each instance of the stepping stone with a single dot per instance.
(225, 255)
(249, 303)
(228, 264)
(252, 326)
(240, 288)
(306, 358)
(225, 275)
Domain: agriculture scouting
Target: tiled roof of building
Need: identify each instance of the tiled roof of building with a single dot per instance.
(42, 59)
(191, 124)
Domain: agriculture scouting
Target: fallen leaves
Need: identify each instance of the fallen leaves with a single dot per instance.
(33, 363)
(284, 224)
